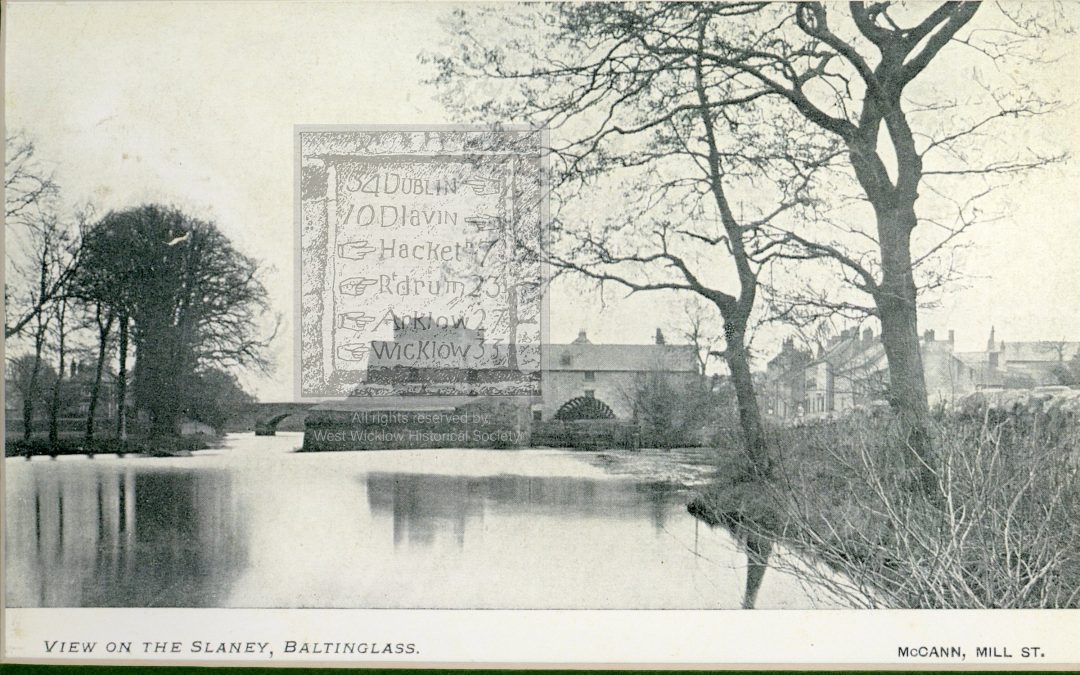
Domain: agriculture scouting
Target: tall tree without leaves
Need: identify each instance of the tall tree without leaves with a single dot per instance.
(658, 140)
(810, 83)
(36, 238)
(104, 318)
(849, 72)
(194, 302)
(42, 253)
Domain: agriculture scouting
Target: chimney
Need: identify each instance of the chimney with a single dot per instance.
(581, 338)
(952, 336)
(867, 336)
(659, 337)
(928, 336)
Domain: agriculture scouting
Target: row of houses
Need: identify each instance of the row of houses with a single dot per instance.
(850, 372)
(581, 378)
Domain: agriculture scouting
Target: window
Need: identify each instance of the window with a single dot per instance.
(564, 360)
(590, 393)
(538, 415)
(590, 376)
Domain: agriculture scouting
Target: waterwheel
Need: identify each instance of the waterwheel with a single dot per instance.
(584, 408)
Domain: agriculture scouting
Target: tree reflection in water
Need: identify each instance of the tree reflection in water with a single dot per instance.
(756, 546)
(256, 525)
(757, 549)
(122, 539)
(423, 505)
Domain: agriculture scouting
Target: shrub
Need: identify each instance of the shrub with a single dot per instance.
(1002, 530)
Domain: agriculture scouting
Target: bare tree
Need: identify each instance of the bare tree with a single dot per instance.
(61, 327)
(27, 183)
(1058, 348)
(43, 251)
(698, 329)
(30, 215)
(43, 255)
(861, 76)
(104, 318)
(853, 78)
(664, 134)
(33, 371)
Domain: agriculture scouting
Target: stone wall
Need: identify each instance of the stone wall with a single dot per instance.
(586, 434)
(484, 424)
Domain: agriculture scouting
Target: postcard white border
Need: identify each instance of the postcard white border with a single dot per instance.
(540, 637)
(531, 639)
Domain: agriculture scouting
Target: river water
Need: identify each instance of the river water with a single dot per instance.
(254, 524)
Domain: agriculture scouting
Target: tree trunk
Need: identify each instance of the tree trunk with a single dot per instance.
(896, 295)
(28, 409)
(95, 391)
(32, 388)
(159, 385)
(54, 404)
(896, 300)
(121, 380)
(163, 363)
(753, 429)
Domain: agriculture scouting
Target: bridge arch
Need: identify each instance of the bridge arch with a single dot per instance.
(268, 427)
(265, 417)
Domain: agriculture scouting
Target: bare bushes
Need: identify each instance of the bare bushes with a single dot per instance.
(1002, 529)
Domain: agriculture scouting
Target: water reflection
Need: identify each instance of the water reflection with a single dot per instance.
(425, 505)
(757, 548)
(256, 525)
(112, 536)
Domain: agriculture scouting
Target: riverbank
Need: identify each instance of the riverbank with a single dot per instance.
(157, 447)
(1000, 531)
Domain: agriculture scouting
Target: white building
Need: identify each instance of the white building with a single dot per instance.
(608, 374)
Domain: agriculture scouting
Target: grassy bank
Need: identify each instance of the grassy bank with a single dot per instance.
(156, 447)
(1001, 530)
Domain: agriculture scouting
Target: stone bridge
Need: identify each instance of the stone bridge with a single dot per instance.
(264, 418)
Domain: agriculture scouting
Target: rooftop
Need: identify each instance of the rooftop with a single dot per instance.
(634, 358)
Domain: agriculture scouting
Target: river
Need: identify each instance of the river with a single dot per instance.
(255, 524)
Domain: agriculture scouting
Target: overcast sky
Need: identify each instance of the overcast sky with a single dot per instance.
(193, 104)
